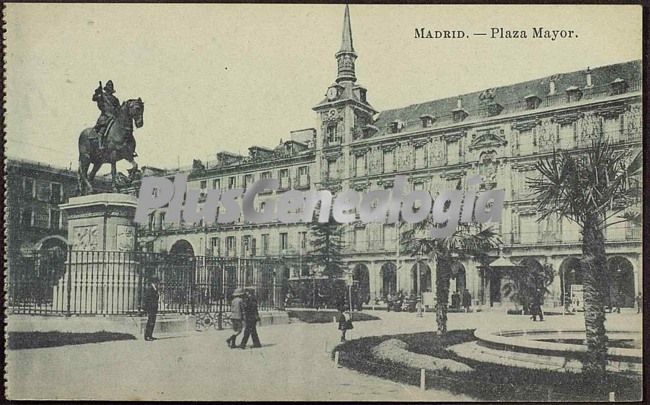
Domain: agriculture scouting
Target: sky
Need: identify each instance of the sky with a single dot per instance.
(226, 77)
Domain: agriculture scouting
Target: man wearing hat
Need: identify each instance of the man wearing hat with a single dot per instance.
(109, 105)
(252, 316)
(237, 316)
(150, 306)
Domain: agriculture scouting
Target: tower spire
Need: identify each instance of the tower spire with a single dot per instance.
(346, 56)
(346, 40)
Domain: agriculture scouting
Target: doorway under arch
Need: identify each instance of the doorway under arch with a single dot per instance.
(361, 275)
(570, 274)
(425, 277)
(388, 279)
(182, 247)
(458, 277)
(620, 279)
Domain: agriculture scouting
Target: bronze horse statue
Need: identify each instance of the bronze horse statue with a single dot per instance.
(119, 144)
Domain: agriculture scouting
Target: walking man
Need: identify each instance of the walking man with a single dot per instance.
(467, 300)
(639, 303)
(150, 306)
(237, 314)
(536, 305)
(251, 317)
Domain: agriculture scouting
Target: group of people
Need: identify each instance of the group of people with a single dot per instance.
(244, 316)
(464, 300)
(398, 302)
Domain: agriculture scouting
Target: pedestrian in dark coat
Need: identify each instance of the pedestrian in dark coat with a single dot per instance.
(536, 305)
(237, 316)
(150, 306)
(345, 322)
(467, 300)
(252, 316)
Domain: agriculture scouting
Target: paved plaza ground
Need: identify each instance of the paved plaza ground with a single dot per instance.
(293, 364)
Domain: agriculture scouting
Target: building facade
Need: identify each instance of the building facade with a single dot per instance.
(34, 192)
(497, 133)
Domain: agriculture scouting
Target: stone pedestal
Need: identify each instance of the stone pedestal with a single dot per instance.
(102, 274)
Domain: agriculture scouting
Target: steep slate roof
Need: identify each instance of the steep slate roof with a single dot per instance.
(511, 97)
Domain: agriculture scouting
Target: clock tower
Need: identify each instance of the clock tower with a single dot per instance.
(343, 116)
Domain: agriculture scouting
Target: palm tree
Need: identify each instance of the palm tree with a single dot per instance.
(468, 241)
(590, 188)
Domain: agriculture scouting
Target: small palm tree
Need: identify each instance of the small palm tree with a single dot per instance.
(468, 241)
(526, 281)
(590, 188)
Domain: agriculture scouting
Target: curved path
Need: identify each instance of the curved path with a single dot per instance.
(293, 364)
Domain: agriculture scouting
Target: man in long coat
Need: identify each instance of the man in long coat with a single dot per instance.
(237, 316)
(150, 306)
(252, 316)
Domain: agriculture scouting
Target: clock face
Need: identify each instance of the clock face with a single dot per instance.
(332, 93)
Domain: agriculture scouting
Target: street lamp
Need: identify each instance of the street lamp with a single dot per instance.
(419, 285)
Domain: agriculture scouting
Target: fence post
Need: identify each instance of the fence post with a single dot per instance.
(423, 380)
(222, 296)
(612, 396)
(69, 283)
(336, 359)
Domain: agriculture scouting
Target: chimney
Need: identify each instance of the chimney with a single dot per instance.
(459, 103)
(551, 87)
(589, 83)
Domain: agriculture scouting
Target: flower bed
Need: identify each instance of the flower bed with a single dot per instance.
(488, 381)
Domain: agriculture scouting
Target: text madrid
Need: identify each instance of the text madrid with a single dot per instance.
(293, 206)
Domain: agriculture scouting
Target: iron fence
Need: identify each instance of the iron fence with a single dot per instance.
(112, 283)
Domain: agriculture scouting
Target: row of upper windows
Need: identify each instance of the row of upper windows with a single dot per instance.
(243, 181)
(29, 218)
(524, 142)
(284, 243)
(51, 192)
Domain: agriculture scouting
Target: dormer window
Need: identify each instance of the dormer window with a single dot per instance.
(573, 93)
(532, 101)
(427, 120)
(395, 126)
(618, 86)
(459, 114)
(369, 130)
(494, 109)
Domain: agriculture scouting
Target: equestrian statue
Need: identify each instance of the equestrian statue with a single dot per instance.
(111, 139)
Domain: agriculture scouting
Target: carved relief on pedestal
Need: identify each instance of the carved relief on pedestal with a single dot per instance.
(125, 238)
(85, 237)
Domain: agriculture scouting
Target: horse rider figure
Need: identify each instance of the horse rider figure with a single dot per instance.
(109, 105)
